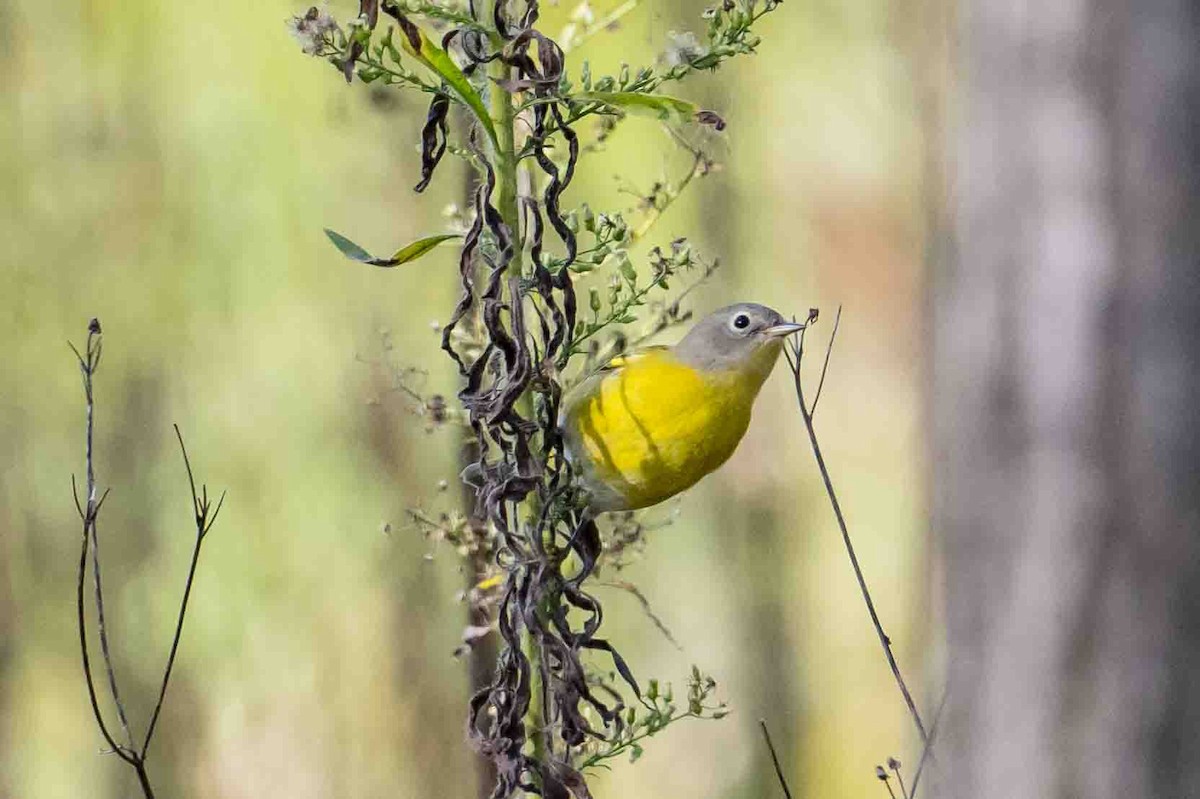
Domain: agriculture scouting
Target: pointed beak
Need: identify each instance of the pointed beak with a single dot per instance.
(782, 329)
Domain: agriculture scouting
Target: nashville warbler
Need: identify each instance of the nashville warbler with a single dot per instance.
(652, 423)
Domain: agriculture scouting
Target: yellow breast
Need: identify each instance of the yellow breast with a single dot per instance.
(650, 429)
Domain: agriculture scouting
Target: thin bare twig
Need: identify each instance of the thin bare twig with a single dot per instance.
(795, 357)
(883, 777)
(925, 753)
(630, 588)
(102, 626)
(88, 364)
(894, 765)
(204, 521)
(837, 321)
(87, 668)
(775, 759)
(205, 515)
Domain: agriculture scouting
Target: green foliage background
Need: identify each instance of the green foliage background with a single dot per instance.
(168, 167)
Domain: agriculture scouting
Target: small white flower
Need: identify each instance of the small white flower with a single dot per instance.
(313, 29)
(325, 23)
(683, 48)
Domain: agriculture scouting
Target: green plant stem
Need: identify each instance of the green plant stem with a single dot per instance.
(623, 747)
(504, 119)
(536, 716)
(505, 164)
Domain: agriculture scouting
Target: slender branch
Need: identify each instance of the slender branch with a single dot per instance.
(636, 593)
(926, 752)
(83, 647)
(139, 766)
(775, 759)
(204, 521)
(89, 363)
(837, 321)
(102, 627)
(94, 348)
(794, 361)
(162, 692)
(205, 515)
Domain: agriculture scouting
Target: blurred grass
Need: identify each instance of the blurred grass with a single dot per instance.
(169, 167)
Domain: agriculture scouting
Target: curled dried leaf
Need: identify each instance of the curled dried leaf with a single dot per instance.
(370, 10)
(433, 139)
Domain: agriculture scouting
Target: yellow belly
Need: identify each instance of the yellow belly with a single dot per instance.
(649, 430)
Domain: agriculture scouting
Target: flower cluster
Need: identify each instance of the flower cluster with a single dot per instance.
(316, 31)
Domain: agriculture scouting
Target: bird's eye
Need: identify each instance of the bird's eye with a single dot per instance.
(741, 321)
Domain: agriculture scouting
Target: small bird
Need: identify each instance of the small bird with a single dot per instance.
(650, 424)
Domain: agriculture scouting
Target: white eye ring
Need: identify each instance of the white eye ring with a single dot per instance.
(740, 323)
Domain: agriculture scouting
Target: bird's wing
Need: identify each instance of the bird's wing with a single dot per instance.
(624, 359)
(589, 384)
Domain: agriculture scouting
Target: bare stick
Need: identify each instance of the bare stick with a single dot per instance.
(894, 765)
(794, 361)
(204, 521)
(883, 777)
(837, 320)
(775, 759)
(89, 363)
(205, 516)
(637, 594)
(933, 729)
(83, 647)
(102, 628)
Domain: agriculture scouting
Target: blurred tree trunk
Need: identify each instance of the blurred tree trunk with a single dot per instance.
(1066, 394)
(481, 659)
(756, 534)
(8, 625)
(756, 550)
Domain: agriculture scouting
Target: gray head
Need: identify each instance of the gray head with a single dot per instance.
(746, 336)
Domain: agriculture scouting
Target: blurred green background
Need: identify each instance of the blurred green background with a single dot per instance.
(168, 167)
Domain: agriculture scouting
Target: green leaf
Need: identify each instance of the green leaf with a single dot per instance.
(348, 248)
(416, 249)
(661, 106)
(417, 44)
(407, 253)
